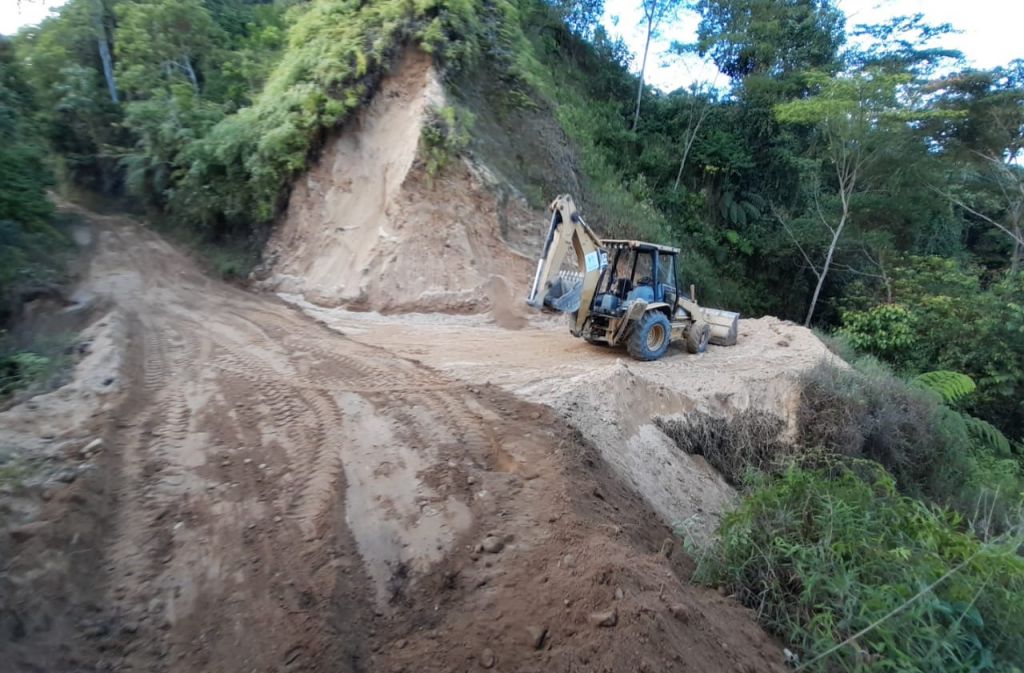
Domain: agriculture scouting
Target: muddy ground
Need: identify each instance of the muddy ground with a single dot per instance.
(270, 494)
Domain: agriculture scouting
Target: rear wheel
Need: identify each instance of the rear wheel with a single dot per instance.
(697, 337)
(650, 336)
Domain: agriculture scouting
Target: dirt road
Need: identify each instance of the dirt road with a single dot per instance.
(272, 495)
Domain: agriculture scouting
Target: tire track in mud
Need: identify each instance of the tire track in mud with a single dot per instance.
(293, 500)
(251, 427)
(206, 549)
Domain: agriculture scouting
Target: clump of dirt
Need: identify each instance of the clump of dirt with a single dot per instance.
(368, 228)
(507, 309)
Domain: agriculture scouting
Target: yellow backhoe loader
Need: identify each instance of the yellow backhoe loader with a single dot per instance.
(622, 292)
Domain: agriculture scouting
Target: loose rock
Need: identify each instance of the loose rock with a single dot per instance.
(537, 635)
(492, 544)
(94, 445)
(487, 658)
(680, 612)
(605, 618)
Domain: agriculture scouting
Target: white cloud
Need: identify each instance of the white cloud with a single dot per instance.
(990, 33)
(17, 13)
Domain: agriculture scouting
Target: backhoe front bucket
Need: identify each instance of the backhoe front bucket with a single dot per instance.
(724, 326)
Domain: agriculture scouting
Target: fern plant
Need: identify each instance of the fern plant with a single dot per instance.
(950, 386)
(985, 435)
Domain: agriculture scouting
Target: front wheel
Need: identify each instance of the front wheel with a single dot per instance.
(650, 336)
(697, 337)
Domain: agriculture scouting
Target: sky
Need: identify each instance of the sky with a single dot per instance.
(991, 31)
(15, 14)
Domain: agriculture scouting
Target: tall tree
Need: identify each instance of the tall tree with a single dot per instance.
(701, 102)
(161, 41)
(985, 134)
(101, 17)
(77, 114)
(856, 117)
(655, 12)
(770, 38)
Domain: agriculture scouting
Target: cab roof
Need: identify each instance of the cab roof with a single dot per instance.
(613, 243)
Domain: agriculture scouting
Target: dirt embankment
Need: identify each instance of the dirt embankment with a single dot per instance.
(368, 228)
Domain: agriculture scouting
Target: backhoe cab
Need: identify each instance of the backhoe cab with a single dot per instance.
(622, 292)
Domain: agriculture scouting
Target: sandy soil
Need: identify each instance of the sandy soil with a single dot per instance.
(610, 398)
(368, 231)
(368, 228)
(274, 495)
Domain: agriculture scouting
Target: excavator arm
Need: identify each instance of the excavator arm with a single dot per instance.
(569, 292)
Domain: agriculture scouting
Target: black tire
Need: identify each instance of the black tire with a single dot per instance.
(697, 337)
(650, 336)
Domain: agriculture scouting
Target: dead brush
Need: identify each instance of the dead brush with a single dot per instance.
(749, 440)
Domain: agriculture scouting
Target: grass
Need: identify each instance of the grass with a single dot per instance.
(37, 367)
(858, 577)
(12, 470)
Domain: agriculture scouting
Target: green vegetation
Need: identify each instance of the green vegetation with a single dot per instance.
(888, 536)
(933, 451)
(31, 248)
(943, 315)
(445, 134)
(39, 366)
(861, 578)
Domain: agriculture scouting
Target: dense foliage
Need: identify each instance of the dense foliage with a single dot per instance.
(861, 578)
(920, 433)
(30, 247)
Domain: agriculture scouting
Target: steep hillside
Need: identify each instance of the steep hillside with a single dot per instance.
(370, 227)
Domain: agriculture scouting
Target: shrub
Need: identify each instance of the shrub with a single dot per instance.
(750, 440)
(870, 413)
(445, 134)
(932, 451)
(885, 331)
(947, 318)
(829, 557)
(20, 370)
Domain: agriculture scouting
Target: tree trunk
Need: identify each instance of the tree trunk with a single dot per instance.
(686, 149)
(682, 162)
(187, 66)
(643, 68)
(1018, 249)
(108, 68)
(105, 58)
(824, 268)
